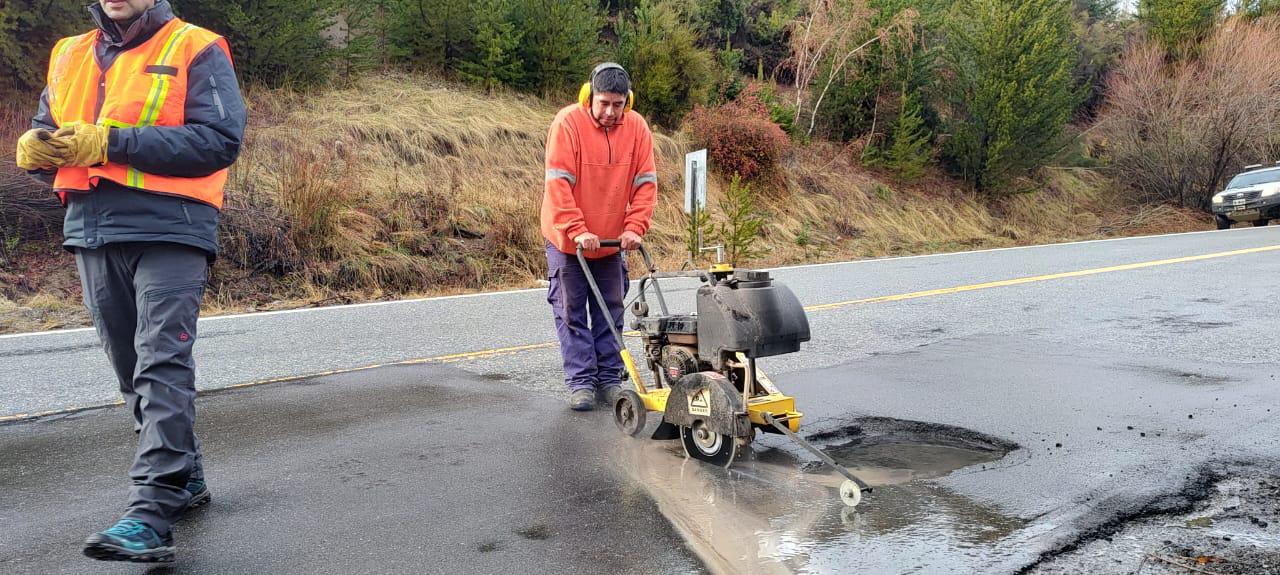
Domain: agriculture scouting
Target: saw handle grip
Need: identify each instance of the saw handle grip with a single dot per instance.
(603, 244)
(644, 253)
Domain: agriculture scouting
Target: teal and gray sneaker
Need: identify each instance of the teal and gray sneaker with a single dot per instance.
(130, 540)
(199, 491)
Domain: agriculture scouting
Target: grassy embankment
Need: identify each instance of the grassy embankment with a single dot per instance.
(404, 186)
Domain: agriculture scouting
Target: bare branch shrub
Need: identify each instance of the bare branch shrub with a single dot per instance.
(1176, 131)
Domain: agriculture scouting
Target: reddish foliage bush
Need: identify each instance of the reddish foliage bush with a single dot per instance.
(739, 136)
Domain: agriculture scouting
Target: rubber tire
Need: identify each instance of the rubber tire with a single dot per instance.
(723, 457)
(1223, 222)
(629, 413)
(1261, 223)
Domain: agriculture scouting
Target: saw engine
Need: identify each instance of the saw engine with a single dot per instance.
(741, 315)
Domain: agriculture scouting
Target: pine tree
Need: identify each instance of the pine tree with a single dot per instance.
(1103, 35)
(431, 33)
(1097, 10)
(495, 61)
(668, 71)
(1180, 25)
(561, 41)
(28, 31)
(910, 151)
(1011, 89)
(740, 230)
(274, 42)
(363, 37)
(859, 100)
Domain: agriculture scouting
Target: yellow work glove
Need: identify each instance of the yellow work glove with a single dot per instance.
(86, 144)
(37, 150)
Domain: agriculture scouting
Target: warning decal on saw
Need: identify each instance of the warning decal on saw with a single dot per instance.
(700, 403)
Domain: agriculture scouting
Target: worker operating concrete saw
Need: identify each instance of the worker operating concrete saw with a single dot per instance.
(600, 183)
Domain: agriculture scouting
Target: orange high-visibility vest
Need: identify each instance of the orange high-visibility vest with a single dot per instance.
(145, 86)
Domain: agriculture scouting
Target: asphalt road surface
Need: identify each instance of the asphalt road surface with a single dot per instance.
(1009, 404)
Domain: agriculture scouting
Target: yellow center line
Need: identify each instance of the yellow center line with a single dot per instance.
(52, 412)
(486, 353)
(1040, 278)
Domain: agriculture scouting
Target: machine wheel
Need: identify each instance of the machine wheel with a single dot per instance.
(629, 413)
(1223, 222)
(850, 493)
(705, 445)
(1260, 223)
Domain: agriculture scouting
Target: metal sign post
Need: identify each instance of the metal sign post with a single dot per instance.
(695, 199)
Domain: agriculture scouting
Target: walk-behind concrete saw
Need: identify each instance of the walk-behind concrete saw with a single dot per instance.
(706, 385)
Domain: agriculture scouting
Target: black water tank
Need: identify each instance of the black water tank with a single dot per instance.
(750, 313)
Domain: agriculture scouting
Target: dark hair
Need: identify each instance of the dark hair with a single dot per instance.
(613, 81)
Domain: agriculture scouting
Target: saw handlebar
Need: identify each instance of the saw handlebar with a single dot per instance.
(644, 253)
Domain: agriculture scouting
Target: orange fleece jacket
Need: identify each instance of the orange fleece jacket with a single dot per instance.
(598, 180)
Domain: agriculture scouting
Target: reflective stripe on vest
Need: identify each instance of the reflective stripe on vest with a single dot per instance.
(145, 86)
(60, 51)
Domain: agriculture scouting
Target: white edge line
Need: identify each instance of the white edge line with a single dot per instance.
(1011, 248)
(296, 310)
(527, 290)
(370, 304)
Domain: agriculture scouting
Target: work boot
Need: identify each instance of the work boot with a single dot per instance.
(609, 395)
(199, 491)
(582, 400)
(130, 540)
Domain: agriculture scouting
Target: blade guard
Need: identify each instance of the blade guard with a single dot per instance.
(708, 397)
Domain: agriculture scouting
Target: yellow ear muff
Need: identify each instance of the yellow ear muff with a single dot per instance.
(584, 94)
(584, 97)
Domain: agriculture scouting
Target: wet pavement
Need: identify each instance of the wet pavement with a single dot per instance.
(422, 469)
(1005, 429)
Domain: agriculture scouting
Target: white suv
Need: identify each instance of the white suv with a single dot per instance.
(1252, 196)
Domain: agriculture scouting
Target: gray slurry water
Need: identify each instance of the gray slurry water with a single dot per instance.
(774, 512)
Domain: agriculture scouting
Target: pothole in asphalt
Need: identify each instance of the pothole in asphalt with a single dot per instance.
(893, 451)
(777, 511)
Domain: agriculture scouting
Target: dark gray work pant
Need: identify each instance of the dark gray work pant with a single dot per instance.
(145, 298)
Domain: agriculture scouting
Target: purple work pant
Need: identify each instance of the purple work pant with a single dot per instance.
(589, 350)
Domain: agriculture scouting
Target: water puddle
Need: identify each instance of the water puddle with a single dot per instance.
(775, 511)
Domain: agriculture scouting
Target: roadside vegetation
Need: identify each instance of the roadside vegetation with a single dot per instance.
(398, 150)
